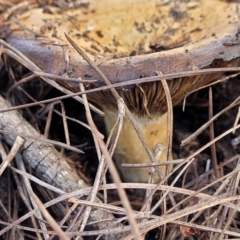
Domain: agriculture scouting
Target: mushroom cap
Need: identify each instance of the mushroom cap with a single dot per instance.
(121, 37)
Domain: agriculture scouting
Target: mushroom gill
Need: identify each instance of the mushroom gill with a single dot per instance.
(131, 39)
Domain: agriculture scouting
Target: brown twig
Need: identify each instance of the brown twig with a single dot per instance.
(29, 190)
(15, 148)
(211, 130)
(144, 165)
(93, 193)
(44, 140)
(49, 218)
(203, 127)
(170, 116)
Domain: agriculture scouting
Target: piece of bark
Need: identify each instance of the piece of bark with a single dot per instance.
(48, 164)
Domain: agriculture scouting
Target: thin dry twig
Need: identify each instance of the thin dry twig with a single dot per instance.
(49, 218)
(144, 165)
(229, 221)
(112, 168)
(223, 79)
(204, 126)
(49, 120)
(170, 115)
(211, 128)
(236, 120)
(16, 146)
(43, 140)
(169, 142)
(29, 190)
(16, 84)
(25, 199)
(12, 9)
(100, 167)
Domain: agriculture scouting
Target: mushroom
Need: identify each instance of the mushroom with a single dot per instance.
(120, 36)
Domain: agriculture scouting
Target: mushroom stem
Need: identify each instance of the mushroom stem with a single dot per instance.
(130, 149)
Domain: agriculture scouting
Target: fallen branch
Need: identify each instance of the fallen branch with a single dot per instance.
(48, 164)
